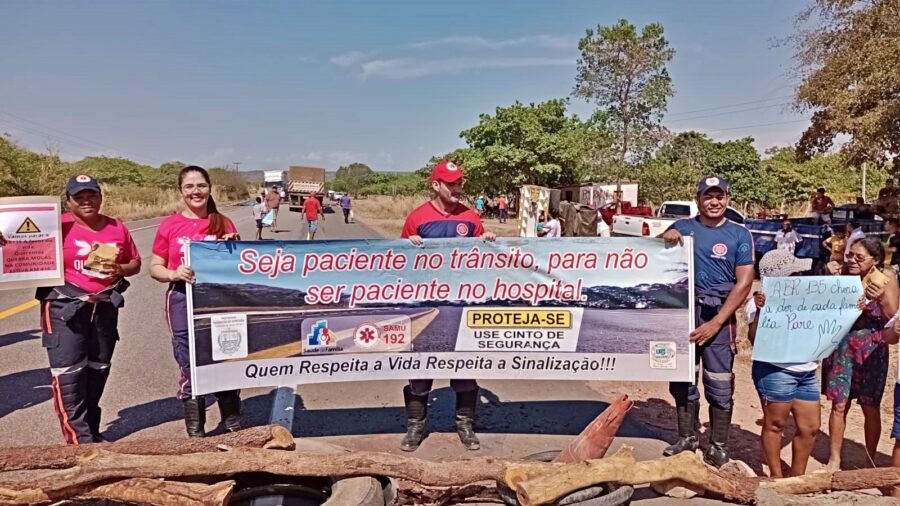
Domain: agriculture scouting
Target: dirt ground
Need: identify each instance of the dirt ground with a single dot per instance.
(654, 407)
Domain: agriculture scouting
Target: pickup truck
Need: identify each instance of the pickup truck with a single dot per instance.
(668, 213)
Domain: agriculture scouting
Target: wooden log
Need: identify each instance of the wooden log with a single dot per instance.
(273, 437)
(596, 438)
(622, 468)
(415, 494)
(101, 466)
(172, 493)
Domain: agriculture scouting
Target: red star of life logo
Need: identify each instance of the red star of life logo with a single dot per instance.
(366, 335)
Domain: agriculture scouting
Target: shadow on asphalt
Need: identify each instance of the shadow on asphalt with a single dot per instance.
(18, 337)
(745, 444)
(256, 411)
(24, 389)
(493, 415)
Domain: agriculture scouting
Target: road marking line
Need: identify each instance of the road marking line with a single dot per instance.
(283, 408)
(18, 309)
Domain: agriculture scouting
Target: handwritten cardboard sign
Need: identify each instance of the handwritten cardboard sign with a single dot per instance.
(805, 318)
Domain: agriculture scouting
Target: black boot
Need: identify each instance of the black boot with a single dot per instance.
(96, 383)
(719, 427)
(688, 417)
(195, 416)
(416, 413)
(230, 409)
(465, 419)
(69, 393)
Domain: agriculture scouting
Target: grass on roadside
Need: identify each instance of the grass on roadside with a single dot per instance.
(139, 202)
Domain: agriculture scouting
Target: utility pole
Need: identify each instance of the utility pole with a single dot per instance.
(864, 167)
(237, 166)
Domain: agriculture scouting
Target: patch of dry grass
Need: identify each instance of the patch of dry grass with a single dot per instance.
(139, 202)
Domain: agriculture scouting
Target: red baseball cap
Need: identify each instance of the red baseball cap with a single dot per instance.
(447, 171)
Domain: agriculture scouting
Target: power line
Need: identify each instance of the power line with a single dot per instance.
(83, 141)
(757, 125)
(728, 106)
(729, 112)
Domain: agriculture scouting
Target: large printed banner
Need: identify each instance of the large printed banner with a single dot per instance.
(32, 255)
(288, 313)
(805, 318)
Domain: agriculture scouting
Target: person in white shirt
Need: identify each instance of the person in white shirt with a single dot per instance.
(854, 233)
(552, 228)
(787, 238)
(259, 210)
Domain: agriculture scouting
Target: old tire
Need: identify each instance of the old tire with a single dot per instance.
(608, 494)
(362, 490)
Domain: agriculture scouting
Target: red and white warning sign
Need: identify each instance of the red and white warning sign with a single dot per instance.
(32, 255)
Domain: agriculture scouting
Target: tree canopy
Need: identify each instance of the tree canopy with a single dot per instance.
(624, 73)
(847, 53)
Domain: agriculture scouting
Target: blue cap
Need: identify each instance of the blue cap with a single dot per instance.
(709, 182)
(81, 183)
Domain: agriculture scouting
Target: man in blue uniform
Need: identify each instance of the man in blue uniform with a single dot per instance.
(723, 277)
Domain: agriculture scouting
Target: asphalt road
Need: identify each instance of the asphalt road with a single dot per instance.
(139, 400)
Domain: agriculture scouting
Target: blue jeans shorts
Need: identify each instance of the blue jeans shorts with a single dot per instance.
(895, 430)
(774, 384)
(313, 225)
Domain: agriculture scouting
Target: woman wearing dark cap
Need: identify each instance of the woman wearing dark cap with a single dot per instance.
(79, 320)
(199, 221)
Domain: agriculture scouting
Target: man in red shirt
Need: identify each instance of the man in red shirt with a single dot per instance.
(313, 209)
(442, 217)
(501, 207)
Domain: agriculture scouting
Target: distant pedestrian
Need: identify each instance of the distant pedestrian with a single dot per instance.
(479, 205)
(273, 202)
(345, 207)
(199, 221)
(723, 277)
(312, 209)
(787, 238)
(79, 320)
(442, 217)
(821, 207)
(501, 208)
(259, 210)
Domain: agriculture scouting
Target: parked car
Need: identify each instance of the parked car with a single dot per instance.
(668, 213)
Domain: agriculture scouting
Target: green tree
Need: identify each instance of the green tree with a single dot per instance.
(847, 53)
(624, 73)
(352, 178)
(524, 144)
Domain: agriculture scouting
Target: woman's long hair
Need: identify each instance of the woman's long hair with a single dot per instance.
(216, 220)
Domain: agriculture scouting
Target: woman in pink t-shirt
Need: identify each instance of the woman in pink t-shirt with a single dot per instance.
(199, 221)
(79, 320)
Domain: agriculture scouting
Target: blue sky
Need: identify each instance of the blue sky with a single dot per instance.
(390, 84)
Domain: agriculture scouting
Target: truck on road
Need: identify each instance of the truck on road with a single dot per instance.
(301, 183)
(668, 213)
(271, 178)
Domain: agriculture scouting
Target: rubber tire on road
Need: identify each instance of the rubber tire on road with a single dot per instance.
(362, 490)
(616, 494)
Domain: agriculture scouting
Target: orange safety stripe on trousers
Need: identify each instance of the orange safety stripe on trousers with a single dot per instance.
(67, 430)
(48, 326)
